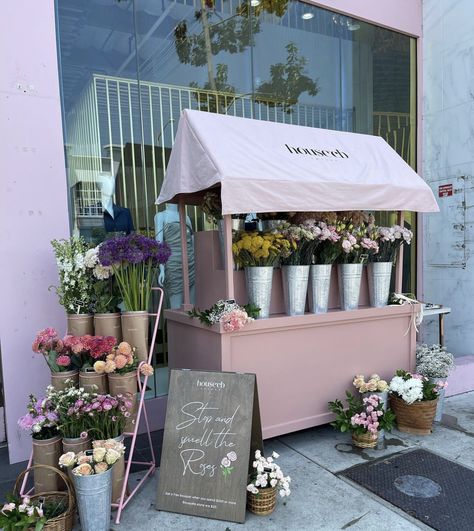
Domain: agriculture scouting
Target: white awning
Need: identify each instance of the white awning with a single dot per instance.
(273, 167)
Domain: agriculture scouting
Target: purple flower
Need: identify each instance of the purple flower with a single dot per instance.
(133, 249)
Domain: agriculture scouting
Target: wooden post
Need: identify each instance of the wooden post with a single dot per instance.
(184, 256)
(228, 259)
(399, 269)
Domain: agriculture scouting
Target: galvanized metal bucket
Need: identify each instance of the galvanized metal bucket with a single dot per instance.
(379, 276)
(295, 288)
(383, 395)
(259, 288)
(94, 496)
(320, 281)
(349, 277)
(441, 394)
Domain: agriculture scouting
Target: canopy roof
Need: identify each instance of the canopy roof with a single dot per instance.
(273, 167)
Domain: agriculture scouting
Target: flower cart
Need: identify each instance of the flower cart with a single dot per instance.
(264, 167)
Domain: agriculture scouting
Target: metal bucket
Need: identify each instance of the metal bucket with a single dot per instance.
(259, 288)
(349, 277)
(379, 276)
(295, 288)
(94, 496)
(320, 280)
(383, 395)
(441, 394)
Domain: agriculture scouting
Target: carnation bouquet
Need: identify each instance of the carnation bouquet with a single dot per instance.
(41, 419)
(96, 461)
(55, 351)
(373, 385)
(253, 249)
(389, 240)
(267, 474)
(232, 316)
(412, 388)
(434, 361)
(326, 252)
(303, 240)
(122, 360)
(134, 260)
(75, 286)
(88, 349)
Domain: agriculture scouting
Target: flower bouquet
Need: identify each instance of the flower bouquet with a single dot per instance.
(75, 284)
(232, 316)
(414, 398)
(362, 418)
(264, 481)
(373, 385)
(24, 513)
(118, 471)
(63, 364)
(92, 477)
(134, 260)
(42, 422)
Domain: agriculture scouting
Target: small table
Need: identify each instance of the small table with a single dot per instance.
(440, 311)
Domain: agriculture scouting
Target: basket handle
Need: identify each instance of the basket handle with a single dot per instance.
(60, 473)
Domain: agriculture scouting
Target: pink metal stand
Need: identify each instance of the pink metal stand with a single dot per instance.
(150, 465)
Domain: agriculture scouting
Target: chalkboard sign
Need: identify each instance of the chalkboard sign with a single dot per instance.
(212, 426)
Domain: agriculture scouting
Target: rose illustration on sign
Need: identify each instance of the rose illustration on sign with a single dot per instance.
(226, 464)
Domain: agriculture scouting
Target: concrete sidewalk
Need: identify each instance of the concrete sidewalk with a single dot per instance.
(321, 499)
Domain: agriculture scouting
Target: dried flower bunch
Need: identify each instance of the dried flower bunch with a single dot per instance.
(266, 474)
(122, 360)
(373, 384)
(212, 206)
(434, 361)
(413, 387)
(96, 461)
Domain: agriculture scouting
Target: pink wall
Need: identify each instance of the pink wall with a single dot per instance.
(33, 200)
(402, 15)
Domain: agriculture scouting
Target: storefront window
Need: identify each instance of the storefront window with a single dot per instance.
(129, 67)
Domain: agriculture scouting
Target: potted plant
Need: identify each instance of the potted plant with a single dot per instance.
(105, 297)
(63, 364)
(92, 478)
(373, 386)
(22, 513)
(258, 253)
(414, 400)
(362, 418)
(134, 260)
(75, 284)
(264, 481)
(41, 421)
(435, 363)
(380, 266)
(120, 367)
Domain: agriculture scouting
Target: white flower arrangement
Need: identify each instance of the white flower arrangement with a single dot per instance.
(409, 390)
(434, 361)
(267, 474)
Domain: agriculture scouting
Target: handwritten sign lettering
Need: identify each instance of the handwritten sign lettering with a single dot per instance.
(212, 426)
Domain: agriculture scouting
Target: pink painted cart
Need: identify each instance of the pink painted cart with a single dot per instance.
(301, 362)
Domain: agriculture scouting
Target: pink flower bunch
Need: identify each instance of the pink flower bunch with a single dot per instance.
(328, 232)
(47, 340)
(369, 244)
(235, 320)
(95, 347)
(369, 418)
(349, 243)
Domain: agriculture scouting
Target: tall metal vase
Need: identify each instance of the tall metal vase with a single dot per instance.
(442, 396)
(320, 280)
(295, 288)
(349, 277)
(379, 276)
(94, 495)
(259, 288)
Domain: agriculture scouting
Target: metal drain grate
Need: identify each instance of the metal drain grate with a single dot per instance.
(426, 486)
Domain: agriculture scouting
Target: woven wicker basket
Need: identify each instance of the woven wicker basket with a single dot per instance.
(364, 440)
(414, 418)
(264, 502)
(65, 521)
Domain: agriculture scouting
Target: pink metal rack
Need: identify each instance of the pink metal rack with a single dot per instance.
(150, 466)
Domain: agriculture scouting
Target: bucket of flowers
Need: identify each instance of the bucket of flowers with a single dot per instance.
(414, 399)
(363, 418)
(265, 480)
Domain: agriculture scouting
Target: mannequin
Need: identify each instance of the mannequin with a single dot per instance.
(116, 218)
(167, 229)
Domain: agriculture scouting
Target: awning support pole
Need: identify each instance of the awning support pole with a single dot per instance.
(399, 268)
(228, 259)
(186, 306)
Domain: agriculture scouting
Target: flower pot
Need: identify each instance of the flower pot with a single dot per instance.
(349, 278)
(118, 474)
(383, 395)
(58, 379)
(320, 281)
(125, 384)
(76, 444)
(108, 324)
(295, 288)
(259, 288)
(441, 397)
(80, 324)
(379, 276)
(414, 418)
(47, 452)
(264, 502)
(93, 382)
(135, 332)
(94, 496)
(364, 440)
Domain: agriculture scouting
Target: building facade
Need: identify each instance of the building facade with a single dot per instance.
(96, 89)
